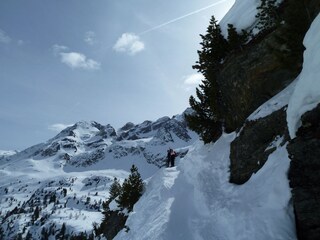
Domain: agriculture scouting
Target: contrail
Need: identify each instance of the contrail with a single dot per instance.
(184, 16)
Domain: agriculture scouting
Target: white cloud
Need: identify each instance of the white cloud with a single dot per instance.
(192, 80)
(79, 60)
(90, 38)
(58, 127)
(129, 43)
(74, 59)
(4, 38)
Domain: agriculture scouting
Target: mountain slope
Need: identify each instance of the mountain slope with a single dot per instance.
(196, 201)
(65, 180)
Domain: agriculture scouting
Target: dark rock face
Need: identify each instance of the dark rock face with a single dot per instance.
(264, 67)
(250, 150)
(251, 78)
(248, 80)
(304, 152)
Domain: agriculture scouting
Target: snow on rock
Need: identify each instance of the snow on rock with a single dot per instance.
(5, 153)
(275, 103)
(196, 201)
(241, 15)
(306, 94)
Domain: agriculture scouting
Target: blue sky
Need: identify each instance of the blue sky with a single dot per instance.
(63, 61)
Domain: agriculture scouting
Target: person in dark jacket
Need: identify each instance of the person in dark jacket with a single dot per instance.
(173, 155)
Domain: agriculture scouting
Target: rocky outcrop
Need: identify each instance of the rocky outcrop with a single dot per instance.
(248, 80)
(256, 141)
(251, 76)
(304, 151)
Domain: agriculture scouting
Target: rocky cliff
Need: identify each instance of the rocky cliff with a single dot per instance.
(266, 65)
(249, 78)
(304, 151)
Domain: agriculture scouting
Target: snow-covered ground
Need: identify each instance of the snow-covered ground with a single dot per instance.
(241, 15)
(196, 201)
(275, 103)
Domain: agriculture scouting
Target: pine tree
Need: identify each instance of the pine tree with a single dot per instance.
(205, 119)
(115, 189)
(62, 232)
(132, 189)
(267, 16)
(214, 49)
(236, 40)
(36, 214)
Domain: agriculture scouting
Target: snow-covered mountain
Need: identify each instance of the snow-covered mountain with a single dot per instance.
(64, 181)
(68, 177)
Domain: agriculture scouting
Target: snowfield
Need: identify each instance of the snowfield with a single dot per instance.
(196, 201)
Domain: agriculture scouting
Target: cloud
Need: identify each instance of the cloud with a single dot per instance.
(79, 60)
(58, 127)
(90, 38)
(129, 43)
(4, 38)
(192, 80)
(74, 59)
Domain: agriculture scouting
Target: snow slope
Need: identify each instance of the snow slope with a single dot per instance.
(306, 95)
(196, 201)
(275, 103)
(241, 15)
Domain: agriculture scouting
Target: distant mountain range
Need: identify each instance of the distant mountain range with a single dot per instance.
(67, 178)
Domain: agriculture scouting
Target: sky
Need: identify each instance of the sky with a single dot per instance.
(64, 61)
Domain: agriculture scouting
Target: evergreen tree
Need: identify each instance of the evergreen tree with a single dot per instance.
(62, 232)
(115, 189)
(268, 16)
(53, 198)
(132, 189)
(213, 51)
(205, 119)
(36, 214)
(236, 40)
